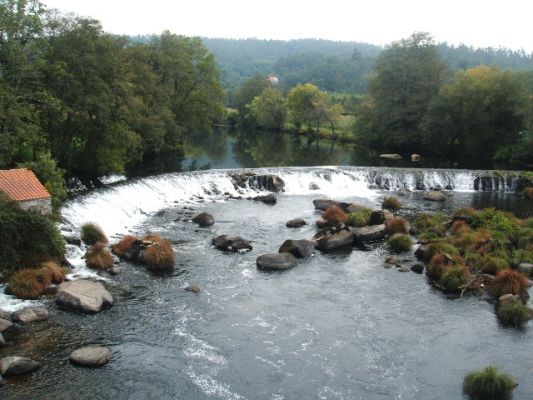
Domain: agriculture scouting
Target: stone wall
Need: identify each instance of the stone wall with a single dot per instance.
(43, 205)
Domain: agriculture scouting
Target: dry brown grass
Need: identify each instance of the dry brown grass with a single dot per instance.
(56, 272)
(99, 257)
(438, 265)
(124, 246)
(334, 216)
(29, 283)
(459, 227)
(397, 225)
(160, 255)
(508, 281)
(528, 193)
(391, 203)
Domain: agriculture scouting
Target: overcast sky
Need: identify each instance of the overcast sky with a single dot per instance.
(481, 23)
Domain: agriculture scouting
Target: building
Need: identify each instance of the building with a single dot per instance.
(22, 186)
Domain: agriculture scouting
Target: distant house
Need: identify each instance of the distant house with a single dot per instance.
(22, 186)
(274, 80)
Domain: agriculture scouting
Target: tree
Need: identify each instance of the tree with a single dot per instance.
(408, 75)
(269, 109)
(306, 104)
(248, 91)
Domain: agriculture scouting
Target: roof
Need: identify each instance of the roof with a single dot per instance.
(21, 185)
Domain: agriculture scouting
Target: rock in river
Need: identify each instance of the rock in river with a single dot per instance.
(30, 314)
(277, 261)
(231, 243)
(298, 248)
(83, 295)
(369, 233)
(267, 199)
(17, 365)
(327, 240)
(91, 356)
(204, 219)
(5, 324)
(295, 223)
(435, 195)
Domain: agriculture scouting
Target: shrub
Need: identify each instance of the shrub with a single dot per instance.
(442, 247)
(459, 227)
(528, 193)
(27, 237)
(525, 237)
(361, 217)
(438, 264)
(424, 222)
(396, 225)
(514, 313)
(391, 203)
(454, 277)
(465, 214)
(473, 260)
(492, 265)
(29, 283)
(55, 271)
(334, 216)
(522, 256)
(400, 242)
(99, 257)
(160, 255)
(503, 226)
(508, 282)
(92, 234)
(124, 246)
(488, 384)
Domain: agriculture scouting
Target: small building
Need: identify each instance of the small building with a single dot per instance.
(274, 80)
(21, 185)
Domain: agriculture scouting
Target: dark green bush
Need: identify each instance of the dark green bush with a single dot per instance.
(453, 278)
(361, 217)
(514, 313)
(92, 234)
(488, 384)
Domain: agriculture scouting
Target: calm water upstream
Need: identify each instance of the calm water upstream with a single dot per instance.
(337, 326)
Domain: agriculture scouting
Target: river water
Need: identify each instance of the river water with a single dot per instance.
(337, 326)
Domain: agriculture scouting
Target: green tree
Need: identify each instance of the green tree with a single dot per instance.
(248, 91)
(307, 105)
(269, 109)
(408, 75)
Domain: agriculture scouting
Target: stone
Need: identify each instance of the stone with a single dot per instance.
(30, 314)
(272, 183)
(5, 324)
(393, 260)
(267, 199)
(193, 288)
(508, 298)
(204, 219)
(295, 223)
(83, 295)
(298, 248)
(404, 269)
(71, 238)
(423, 252)
(15, 365)
(404, 192)
(5, 315)
(378, 217)
(2, 340)
(369, 233)
(231, 243)
(390, 156)
(115, 271)
(324, 204)
(415, 157)
(313, 186)
(417, 268)
(526, 269)
(435, 195)
(276, 261)
(332, 241)
(91, 356)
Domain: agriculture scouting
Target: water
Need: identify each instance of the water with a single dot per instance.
(337, 326)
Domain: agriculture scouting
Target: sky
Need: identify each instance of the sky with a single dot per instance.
(494, 23)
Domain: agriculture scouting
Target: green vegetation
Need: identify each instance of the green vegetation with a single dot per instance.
(92, 234)
(360, 217)
(453, 279)
(508, 282)
(269, 109)
(514, 313)
(396, 225)
(400, 242)
(391, 203)
(488, 384)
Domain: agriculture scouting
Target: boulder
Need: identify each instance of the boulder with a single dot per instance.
(404, 192)
(272, 183)
(333, 240)
(83, 295)
(115, 271)
(267, 199)
(415, 157)
(30, 314)
(71, 238)
(417, 268)
(278, 262)
(404, 269)
(369, 233)
(324, 204)
(313, 186)
(91, 356)
(231, 243)
(526, 269)
(5, 315)
(423, 252)
(393, 260)
(204, 219)
(295, 223)
(5, 324)
(298, 248)
(193, 288)
(378, 217)
(390, 156)
(435, 195)
(17, 365)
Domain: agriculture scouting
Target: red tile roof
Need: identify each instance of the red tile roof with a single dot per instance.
(21, 185)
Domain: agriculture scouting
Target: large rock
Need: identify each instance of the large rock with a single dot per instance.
(30, 314)
(272, 183)
(5, 324)
(423, 252)
(324, 204)
(295, 223)
(17, 365)
(369, 233)
(231, 243)
(435, 195)
(5, 315)
(91, 356)
(267, 199)
(71, 238)
(278, 262)
(526, 269)
(83, 295)
(390, 156)
(378, 217)
(333, 240)
(204, 219)
(298, 248)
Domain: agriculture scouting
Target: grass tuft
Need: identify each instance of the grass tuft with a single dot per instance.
(400, 242)
(391, 203)
(92, 234)
(508, 281)
(99, 257)
(488, 384)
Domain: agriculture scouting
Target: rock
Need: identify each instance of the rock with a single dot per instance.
(83, 295)
(404, 269)
(332, 241)
(2, 381)
(393, 260)
(231, 243)
(116, 259)
(17, 365)
(193, 288)
(324, 204)
(369, 233)
(278, 262)
(115, 271)
(423, 252)
(415, 157)
(298, 248)
(72, 239)
(508, 298)
(417, 268)
(404, 192)
(204, 219)
(267, 199)
(272, 183)
(390, 156)
(435, 196)
(526, 269)
(313, 186)
(2, 340)
(295, 223)
(30, 314)
(378, 217)
(5, 324)
(91, 356)
(353, 208)
(5, 315)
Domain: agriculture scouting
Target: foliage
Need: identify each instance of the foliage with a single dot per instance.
(334, 216)
(396, 225)
(400, 242)
(160, 255)
(391, 203)
(248, 91)
(360, 217)
(124, 245)
(269, 109)
(514, 313)
(488, 384)
(27, 237)
(52, 177)
(438, 265)
(92, 234)
(99, 257)
(522, 256)
(508, 281)
(453, 278)
(492, 265)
